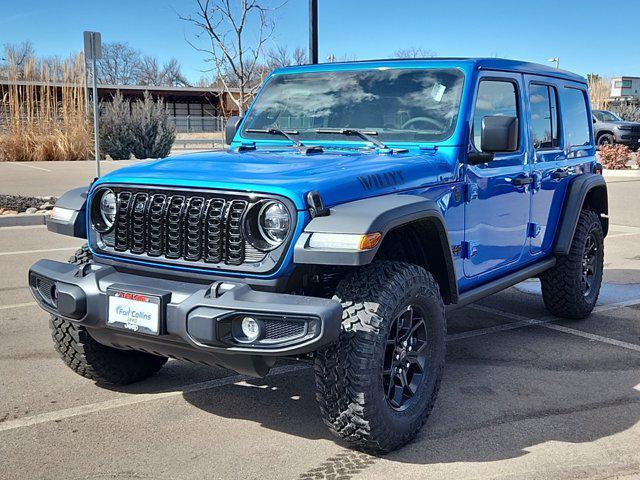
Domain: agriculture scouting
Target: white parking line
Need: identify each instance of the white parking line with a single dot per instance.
(591, 336)
(614, 306)
(522, 321)
(46, 250)
(22, 227)
(616, 235)
(17, 305)
(135, 399)
(22, 164)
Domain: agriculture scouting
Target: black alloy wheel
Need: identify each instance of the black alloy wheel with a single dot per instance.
(405, 358)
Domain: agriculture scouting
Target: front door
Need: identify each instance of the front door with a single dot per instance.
(497, 209)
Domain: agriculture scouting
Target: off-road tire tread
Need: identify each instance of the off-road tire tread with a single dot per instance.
(102, 364)
(561, 291)
(343, 371)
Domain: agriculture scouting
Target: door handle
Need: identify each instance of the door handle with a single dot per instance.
(520, 181)
(560, 173)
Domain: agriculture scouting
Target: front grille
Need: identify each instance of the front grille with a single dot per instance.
(184, 226)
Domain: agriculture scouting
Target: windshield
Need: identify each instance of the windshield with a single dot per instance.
(400, 105)
(606, 116)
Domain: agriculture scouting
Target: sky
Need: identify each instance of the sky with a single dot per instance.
(580, 32)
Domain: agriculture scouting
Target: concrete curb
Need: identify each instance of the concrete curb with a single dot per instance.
(22, 220)
(621, 173)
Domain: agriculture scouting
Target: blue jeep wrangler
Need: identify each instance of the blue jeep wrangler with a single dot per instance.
(356, 205)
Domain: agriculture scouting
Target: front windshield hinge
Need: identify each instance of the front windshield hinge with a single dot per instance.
(392, 151)
(428, 149)
(246, 147)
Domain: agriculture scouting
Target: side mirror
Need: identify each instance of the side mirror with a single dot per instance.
(499, 135)
(231, 128)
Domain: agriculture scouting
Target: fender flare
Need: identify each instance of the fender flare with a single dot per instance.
(590, 189)
(75, 200)
(378, 214)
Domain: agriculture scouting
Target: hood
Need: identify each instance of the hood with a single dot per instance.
(622, 123)
(339, 176)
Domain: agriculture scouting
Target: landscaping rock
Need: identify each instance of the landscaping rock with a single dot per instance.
(20, 203)
(10, 212)
(31, 210)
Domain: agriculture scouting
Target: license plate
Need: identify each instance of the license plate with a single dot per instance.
(134, 311)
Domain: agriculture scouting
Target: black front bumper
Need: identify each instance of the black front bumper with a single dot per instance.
(195, 318)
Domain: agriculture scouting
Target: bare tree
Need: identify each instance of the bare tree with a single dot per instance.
(149, 73)
(414, 52)
(120, 64)
(299, 56)
(279, 57)
(15, 56)
(171, 75)
(599, 91)
(235, 51)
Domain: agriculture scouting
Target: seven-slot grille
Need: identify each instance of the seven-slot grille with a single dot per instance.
(182, 225)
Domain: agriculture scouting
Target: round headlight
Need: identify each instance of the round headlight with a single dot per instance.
(274, 222)
(108, 208)
(104, 209)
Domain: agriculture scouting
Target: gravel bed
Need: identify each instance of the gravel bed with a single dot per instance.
(15, 204)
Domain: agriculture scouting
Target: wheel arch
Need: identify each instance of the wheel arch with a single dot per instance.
(601, 133)
(74, 200)
(397, 217)
(587, 190)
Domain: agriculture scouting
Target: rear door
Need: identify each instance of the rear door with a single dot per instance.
(497, 209)
(561, 145)
(548, 166)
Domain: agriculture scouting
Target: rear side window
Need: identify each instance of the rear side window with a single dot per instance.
(495, 97)
(576, 120)
(544, 116)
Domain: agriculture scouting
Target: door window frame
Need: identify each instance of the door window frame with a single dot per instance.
(587, 106)
(519, 112)
(559, 119)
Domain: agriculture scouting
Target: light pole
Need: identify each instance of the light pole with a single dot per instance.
(313, 31)
(556, 60)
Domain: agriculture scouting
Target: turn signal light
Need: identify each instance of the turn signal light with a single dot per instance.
(345, 241)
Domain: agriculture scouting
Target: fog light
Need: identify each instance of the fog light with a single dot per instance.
(251, 329)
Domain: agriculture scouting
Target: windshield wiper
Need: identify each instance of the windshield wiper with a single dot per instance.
(365, 135)
(289, 135)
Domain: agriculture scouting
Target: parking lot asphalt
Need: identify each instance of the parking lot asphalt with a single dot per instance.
(524, 395)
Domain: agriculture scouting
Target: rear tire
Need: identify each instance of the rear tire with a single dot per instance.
(86, 357)
(378, 383)
(571, 288)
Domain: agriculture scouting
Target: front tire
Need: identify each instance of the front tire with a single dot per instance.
(571, 288)
(378, 383)
(606, 139)
(86, 357)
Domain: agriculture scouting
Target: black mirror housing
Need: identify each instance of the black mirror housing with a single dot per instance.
(499, 134)
(231, 128)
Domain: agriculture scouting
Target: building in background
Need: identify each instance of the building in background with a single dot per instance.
(193, 109)
(625, 90)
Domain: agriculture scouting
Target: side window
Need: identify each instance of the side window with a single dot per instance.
(544, 116)
(576, 120)
(495, 97)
